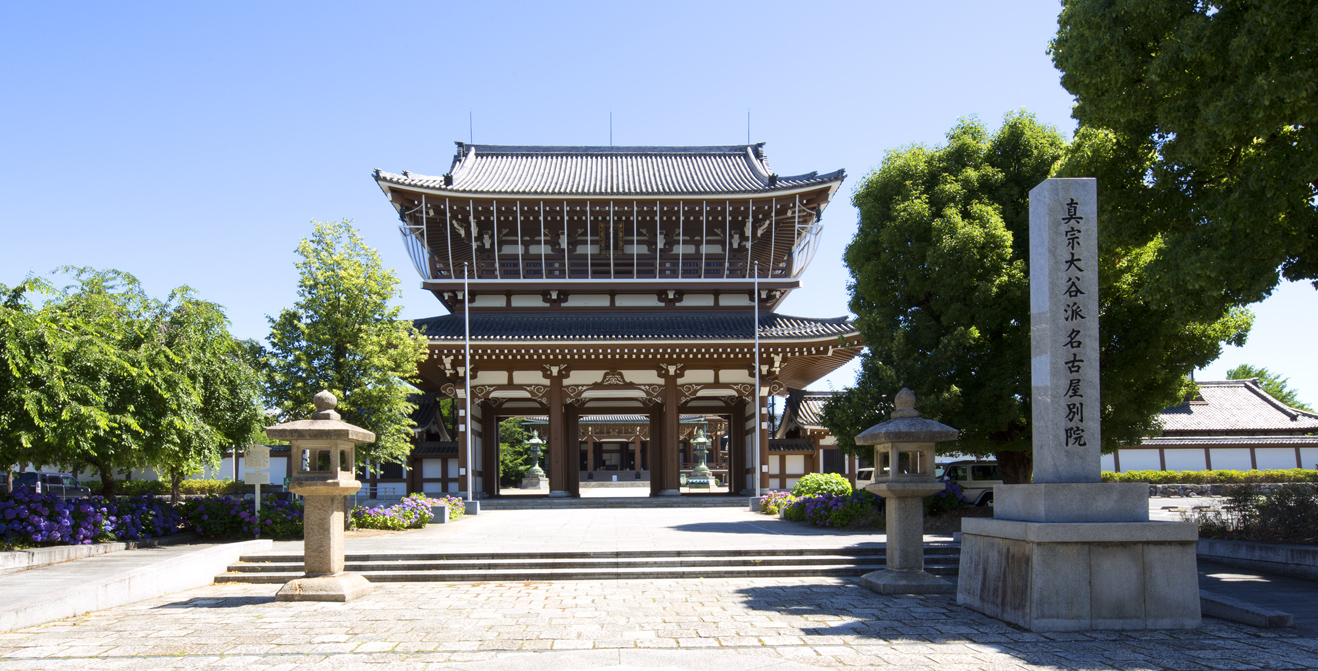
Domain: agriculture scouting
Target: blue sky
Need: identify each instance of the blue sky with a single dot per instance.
(192, 143)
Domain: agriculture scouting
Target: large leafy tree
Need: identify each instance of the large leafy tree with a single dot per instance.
(940, 288)
(343, 335)
(204, 394)
(1273, 383)
(1214, 107)
(101, 375)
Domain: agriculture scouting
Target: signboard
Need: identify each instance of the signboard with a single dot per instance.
(256, 477)
(258, 456)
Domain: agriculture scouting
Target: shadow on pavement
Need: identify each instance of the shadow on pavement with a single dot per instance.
(222, 602)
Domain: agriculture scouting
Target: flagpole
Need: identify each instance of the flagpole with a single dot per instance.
(466, 345)
(758, 417)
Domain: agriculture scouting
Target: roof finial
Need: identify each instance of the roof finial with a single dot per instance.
(325, 404)
(904, 404)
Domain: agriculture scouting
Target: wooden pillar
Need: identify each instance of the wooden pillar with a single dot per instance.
(655, 450)
(636, 456)
(737, 448)
(558, 462)
(672, 434)
(572, 428)
(489, 450)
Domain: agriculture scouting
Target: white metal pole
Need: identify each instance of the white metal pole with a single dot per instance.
(466, 379)
(756, 301)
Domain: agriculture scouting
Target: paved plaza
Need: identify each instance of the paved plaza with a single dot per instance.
(762, 623)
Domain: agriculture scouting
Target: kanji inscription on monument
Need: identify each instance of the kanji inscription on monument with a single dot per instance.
(1064, 330)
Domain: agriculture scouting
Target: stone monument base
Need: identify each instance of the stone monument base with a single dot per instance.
(1076, 576)
(339, 587)
(534, 482)
(896, 581)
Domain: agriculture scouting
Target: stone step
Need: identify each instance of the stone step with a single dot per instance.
(640, 562)
(940, 559)
(930, 551)
(551, 574)
(698, 501)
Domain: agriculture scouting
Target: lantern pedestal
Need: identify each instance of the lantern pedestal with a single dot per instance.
(323, 451)
(903, 572)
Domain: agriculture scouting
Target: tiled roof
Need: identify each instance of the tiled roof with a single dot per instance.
(791, 445)
(617, 419)
(435, 449)
(1243, 441)
(804, 409)
(1235, 406)
(631, 171)
(666, 325)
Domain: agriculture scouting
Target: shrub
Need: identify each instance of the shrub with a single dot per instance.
(1213, 477)
(836, 510)
(28, 518)
(951, 498)
(773, 502)
(232, 517)
(456, 506)
(412, 512)
(185, 487)
(1287, 514)
(821, 483)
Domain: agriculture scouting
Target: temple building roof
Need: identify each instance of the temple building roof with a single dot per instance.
(609, 171)
(1235, 407)
(631, 326)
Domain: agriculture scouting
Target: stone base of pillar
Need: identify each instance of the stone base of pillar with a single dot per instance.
(340, 587)
(670, 492)
(1081, 576)
(559, 494)
(893, 581)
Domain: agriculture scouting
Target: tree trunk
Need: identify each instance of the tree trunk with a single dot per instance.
(107, 480)
(1017, 467)
(173, 487)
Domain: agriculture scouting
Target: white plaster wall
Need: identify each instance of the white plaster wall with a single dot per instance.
(1140, 460)
(1274, 457)
(1189, 459)
(795, 464)
(432, 468)
(1230, 459)
(1107, 462)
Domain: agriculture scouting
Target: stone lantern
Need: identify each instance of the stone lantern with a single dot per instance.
(700, 475)
(534, 478)
(906, 443)
(323, 461)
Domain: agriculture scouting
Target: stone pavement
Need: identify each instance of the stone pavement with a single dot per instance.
(690, 624)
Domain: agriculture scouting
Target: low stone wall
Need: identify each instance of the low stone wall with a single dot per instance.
(20, 560)
(1297, 561)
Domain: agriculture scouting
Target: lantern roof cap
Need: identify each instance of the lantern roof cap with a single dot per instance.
(323, 425)
(907, 426)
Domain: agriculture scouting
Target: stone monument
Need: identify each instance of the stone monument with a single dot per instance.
(907, 440)
(323, 459)
(1068, 552)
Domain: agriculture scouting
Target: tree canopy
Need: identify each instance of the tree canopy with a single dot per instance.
(1213, 108)
(939, 269)
(343, 335)
(101, 375)
(1273, 383)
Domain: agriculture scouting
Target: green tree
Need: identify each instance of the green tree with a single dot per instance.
(514, 460)
(1212, 106)
(939, 269)
(1274, 384)
(204, 397)
(343, 335)
(101, 375)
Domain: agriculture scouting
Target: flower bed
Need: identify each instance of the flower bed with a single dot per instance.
(29, 519)
(413, 512)
(456, 506)
(773, 502)
(838, 510)
(232, 517)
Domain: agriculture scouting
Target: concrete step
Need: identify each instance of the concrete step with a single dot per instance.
(545, 503)
(930, 551)
(940, 560)
(551, 574)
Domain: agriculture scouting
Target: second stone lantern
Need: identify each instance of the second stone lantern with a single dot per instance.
(323, 452)
(906, 444)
